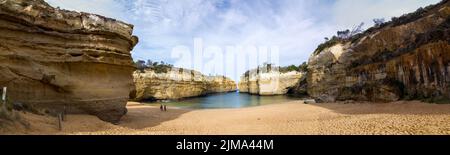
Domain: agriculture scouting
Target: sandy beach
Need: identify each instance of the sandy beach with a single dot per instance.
(404, 118)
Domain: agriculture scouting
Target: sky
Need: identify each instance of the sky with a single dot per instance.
(293, 28)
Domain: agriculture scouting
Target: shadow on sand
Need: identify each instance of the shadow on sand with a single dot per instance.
(141, 116)
(400, 107)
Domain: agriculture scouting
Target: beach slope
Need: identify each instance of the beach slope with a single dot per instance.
(403, 118)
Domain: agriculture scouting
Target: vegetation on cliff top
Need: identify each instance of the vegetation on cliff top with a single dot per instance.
(342, 36)
(163, 67)
(158, 67)
(357, 33)
(440, 32)
(267, 67)
(301, 68)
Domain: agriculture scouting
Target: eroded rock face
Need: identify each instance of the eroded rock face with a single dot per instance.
(408, 60)
(273, 82)
(52, 58)
(178, 83)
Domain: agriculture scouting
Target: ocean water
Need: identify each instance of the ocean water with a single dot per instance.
(226, 100)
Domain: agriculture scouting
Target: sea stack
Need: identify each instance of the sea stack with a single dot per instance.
(52, 58)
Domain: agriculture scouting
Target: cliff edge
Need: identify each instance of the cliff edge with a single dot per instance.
(407, 58)
(177, 83)
(57, 59)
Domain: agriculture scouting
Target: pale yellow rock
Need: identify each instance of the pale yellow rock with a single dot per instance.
(411, 58)
(178, 83)
(268, 83)
(52, 58)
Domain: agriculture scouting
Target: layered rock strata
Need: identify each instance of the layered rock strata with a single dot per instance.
(58, 59)
(408, 58)
(178, 83)
(273, 82)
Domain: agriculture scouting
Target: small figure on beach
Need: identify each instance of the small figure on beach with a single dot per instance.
(165, 108)
(161, 107)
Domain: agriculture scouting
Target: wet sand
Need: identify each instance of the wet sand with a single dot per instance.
(404, 118)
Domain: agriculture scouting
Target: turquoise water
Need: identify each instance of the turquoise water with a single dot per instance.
(226, 100)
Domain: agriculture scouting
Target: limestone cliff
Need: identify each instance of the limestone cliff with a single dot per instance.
(178, 83)
(52, 58)
(262, 82)
(408, 58)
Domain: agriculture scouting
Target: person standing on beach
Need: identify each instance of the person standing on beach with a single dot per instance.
(161, 107)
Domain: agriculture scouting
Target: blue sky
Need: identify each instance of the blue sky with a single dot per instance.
(295, 26)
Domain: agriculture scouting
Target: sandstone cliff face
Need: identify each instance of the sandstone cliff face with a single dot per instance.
(268, 83)
(178, 83)
(52, 58)
(397, 61)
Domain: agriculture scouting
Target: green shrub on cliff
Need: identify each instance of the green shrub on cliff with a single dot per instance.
(9, 116)
(140, 65)
(160, 67)
(288, 69)
(301, 68)
(342, 36)
(267, 67)
(328, 43)
(6, 113)
(357, 33)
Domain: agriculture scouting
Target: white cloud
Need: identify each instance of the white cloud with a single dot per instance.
(296, 26)
(348, 13)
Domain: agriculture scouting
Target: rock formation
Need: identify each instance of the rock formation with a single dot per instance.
(52, 58)
(178, 83)
(263, 81)
(407, 58)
